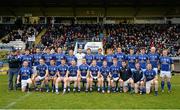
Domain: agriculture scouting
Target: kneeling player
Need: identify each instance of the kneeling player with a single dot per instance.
(62, 76)
(25, 74)
(42, 72)
(114, 75)
(94, 75)
(138, 78)
(84, 73)
(126, 78)
(105, 73)
(151, 79)
(52, 76)
(73, 76)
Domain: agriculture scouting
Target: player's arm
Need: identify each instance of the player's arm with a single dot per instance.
(47, 73)
(67, 73)
(18, 77)
(172, 66)
(87, 75)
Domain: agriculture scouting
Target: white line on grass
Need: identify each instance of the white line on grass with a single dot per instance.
(19, 99)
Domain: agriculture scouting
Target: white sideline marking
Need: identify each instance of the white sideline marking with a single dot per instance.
(19, 99)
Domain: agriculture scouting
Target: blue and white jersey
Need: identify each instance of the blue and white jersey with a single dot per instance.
(25, 73)
(48, 57)
(84, 68)
(36, 58)
(142, 58)
(94, 70)
(99, 59)
(109, 59)
(149, 74)
(115, 71)
(120, 57)
(73, 70)
(52, 69)
(70, 58)
(28, 58)
(62, 69)
(41, 70)
(59, 57)
(89, 58)
(131, 60)
(154, 59)
(165, 63)
(105, 71)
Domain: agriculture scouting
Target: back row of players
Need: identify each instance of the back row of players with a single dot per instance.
(121, 72)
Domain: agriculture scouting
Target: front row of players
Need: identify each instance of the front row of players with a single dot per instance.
(112, 79)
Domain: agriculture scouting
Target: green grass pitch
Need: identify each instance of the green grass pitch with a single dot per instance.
(36, 100)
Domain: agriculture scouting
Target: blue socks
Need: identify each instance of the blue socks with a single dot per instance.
(162, 85)
(169, 86)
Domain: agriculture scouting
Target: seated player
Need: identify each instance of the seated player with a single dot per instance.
(52, 75)
(114, 75)
(105, 73)
(138, 78)
(24, 74)
(73, 76)
(126, 78)
(84, 73)
(42, 72)
(151, 79)
(94, 75)
(166, 64)
(62, 76)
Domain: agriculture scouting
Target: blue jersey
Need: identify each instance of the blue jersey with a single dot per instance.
(142, 58)
(165, 63)
(28, 58)
(41, 70)
(89, 58)
(52, 69)
(154, 59)
(83, 68)
(149, 75)
(109, 59)
(59, 57)
(36, 58)
(73, 70)
(25, 73)
(131, 61)
(137, 75)
(62, 69)
(94, 70)
(99, 59)
(120, 57)
(70, 58)
(48, 57)
(115, 71)
(104, 71)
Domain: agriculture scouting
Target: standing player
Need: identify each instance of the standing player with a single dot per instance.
(114, 75)
(131, 58)
(166, 64)
(79, 57)
(84, 73)
(105, 73)
(52, 75)
(27, 57)
(109, 57)
(94, 75)
(36, 57)
(120, 56)
(62, 76)
(126, 78)
(59, 55)
(153, 58)
(142, 58)
(89, 57)
(48, 56)
(73, 76)
(151, 79)
(25, 73)
(99, 57)
(42, 72)
(70, 57)
(138, 78)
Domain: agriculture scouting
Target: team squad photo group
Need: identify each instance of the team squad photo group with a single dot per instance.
(114, 72)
